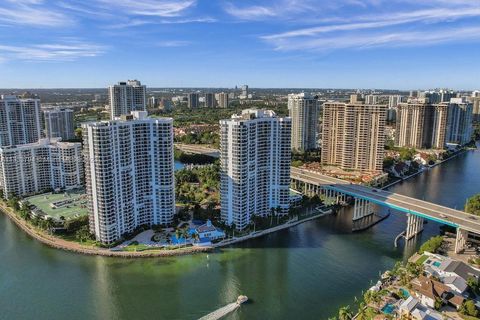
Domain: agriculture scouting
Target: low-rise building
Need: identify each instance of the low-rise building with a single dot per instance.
(209, 231)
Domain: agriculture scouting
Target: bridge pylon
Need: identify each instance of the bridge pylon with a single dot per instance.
(414, 226)
(461, 240)
(361, 209)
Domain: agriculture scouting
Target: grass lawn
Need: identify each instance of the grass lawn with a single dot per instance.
(422, 259)
(76, 206)
(138, 247)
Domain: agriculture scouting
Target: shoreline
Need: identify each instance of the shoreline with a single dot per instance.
(424, 170)
(262, 233)
(74, 247)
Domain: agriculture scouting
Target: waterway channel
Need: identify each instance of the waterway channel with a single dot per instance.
(306, 272)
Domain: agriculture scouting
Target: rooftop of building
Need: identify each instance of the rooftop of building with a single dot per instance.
(42, 142)
(134, 116)
(68, 204)
(252, 114)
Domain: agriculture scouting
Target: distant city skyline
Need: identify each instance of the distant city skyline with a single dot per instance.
(401, 44)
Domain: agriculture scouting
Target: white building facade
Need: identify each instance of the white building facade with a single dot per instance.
(48, 164)
(459, 123)
(19, 120)
(59, 123)
(127, 96)
(129, 170)
(305, 113)
(255, 166)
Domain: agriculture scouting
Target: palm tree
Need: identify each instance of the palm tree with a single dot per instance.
(186, 235)
(178, 234)
(272, 212)
(345, 313)
(168, 238)
(362, 312)
(196, 237)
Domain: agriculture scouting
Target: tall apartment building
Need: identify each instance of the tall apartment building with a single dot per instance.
(410, 129)
(127, 96)
(393, 101)
(371, 99)
(304, 112)
(421, 125)
(59, 123)
(437, 96)
(476, 105)
(193, 101)
(210, 101)
(244, 94)
(223, 100)
(356, 98)
(353, 136)
(20, 120)
(255, 166)
(152, 102)
(438, 131)
(459, 123)
(40, 166)
(129, 170)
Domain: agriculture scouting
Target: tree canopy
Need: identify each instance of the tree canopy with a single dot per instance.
(473, 205)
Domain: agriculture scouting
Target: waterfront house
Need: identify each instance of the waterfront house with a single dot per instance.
(428, 291)
(209, 231)
(456, 283)
(413, 309)
(431, 292)
(459, 268)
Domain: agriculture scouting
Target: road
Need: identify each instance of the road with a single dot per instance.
(425, 209)
(198, 149)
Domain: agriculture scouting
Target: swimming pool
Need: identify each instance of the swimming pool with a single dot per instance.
(405, 292)
(388, 308)
(437, 264)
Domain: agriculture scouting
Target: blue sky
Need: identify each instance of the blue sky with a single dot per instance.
(221, 43)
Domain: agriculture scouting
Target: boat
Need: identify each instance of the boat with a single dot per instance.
(242, 299)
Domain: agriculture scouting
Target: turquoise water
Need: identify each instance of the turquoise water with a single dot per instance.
(388, 308)
(405, 292)
(179, 165)
(437, 264)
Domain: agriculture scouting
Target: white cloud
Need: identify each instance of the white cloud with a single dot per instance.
(279, 8)
(250, 13)
(66, 51)
(372, 22)
(160, 8)
(30, 13)
(387, 39)
(173, 43)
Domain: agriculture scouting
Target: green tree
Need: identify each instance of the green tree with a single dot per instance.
(473, 205)
(473, 284)
(388, 162)
(406, 154)
(468, 308)
(362, 312)
(431, 245)
(83, 234)
(345, 313)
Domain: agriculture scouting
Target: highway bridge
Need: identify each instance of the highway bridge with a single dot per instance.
(416, 209)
